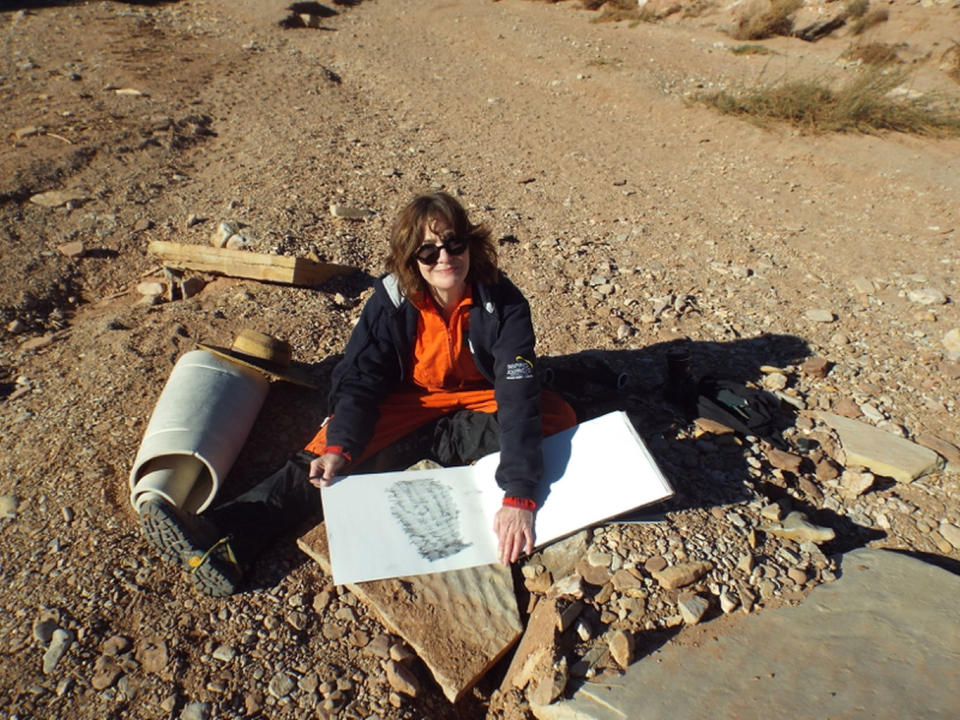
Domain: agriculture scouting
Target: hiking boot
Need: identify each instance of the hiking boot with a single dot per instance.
(194, 543)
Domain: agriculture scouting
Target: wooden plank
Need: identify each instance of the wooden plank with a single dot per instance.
(244, 264)
(460, 622)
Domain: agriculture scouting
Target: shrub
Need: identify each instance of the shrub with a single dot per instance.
(775, 20)
(863, 105)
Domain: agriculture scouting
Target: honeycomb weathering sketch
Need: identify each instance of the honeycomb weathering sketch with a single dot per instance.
(410, 523)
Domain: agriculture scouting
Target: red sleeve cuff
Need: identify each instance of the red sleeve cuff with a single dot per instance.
(337, 450)
(522, 503)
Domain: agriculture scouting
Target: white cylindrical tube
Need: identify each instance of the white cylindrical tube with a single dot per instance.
(199, 424)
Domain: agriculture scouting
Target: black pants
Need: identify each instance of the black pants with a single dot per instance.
(286, 499)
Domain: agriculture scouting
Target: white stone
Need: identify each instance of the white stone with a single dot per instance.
(951, 341)
(728, 602)
(819, 316)
(692, 608)
(927, 296)
(950, 532)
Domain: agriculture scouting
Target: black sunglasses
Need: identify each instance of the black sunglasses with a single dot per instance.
(429, 253)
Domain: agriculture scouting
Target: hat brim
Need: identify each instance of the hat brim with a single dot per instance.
(295, 373)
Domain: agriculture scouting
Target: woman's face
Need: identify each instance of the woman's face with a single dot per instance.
(447, 277)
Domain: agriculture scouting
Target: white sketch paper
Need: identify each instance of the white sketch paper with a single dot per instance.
(411, 523)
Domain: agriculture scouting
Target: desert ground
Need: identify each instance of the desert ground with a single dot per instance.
(631, 214)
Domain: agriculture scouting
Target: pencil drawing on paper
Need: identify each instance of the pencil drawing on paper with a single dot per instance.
(428, 514)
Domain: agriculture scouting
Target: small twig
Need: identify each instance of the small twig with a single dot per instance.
(59, 137)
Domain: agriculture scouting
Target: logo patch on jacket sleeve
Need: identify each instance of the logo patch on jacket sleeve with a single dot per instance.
(520, 369)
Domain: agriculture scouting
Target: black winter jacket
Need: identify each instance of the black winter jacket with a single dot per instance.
(378, 356)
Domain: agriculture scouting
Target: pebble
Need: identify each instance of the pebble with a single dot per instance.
(224, 653)
(193, 219)
(8, 506)
(105, 672)
(73, 250)
(401, 653)
(655, 564)
(350, 213)
(195, 711)
(151, 288)
(692, 608)
(401, 679)
(784, 460)
(115, 645)
(950, 532)
(222, 233)
(775, 381)
(797, 575)
(682, 575)
(819, 316)
(854, 483)
(847, 408)
(927, 296)
(620, 645)
(281, 685)
(60, 642)
(728, 602)
(796, 527)
(816, 367)
(951, 341)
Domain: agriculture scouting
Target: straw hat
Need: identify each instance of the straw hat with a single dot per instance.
(267, 354)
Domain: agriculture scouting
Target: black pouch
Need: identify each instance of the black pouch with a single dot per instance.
(746, 410)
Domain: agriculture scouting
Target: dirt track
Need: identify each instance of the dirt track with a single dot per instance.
(609, 188)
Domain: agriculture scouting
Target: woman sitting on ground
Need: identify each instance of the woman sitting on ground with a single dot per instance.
(445, 336)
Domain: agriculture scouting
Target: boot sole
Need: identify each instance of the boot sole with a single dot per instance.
(215, 576)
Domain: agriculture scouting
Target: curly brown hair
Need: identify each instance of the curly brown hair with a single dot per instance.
(407, 234)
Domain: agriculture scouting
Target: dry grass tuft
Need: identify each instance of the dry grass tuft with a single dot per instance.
(751, 49)
(865, 105)
(875, 53)
(869, 19)
(635, 15)
(775, 20)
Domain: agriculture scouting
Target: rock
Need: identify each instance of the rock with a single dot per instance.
(252, 703)
(692, 607)
(927, 296)
(567, 615)
(571, 585)
(401, 679)
(153, 657)
(224, 653)
(827, 470)
(620, 644)
(816, 367)
(626, 580)
(746, 563)
(195, 711)
(105, 672)
(593, 575)
(863, 285)
(774, 381)
(547, 689)
(16, 326)
(8, 506)
(193, 219)
(401, 653)
(143, 224)
(784, 460)
(950, 533)
(773, 511)
(43, 630)
(583, 630)
(798, 576)
(810, 489)
(883, 453)
(940, 446)
(561, 557)
(115, 645)
(712, 427)
(655, 564)
(951, 341)
(151, 288)
(73, 250)
(854, 484)
(819, 316)
(56, 198)
(796, 527)
(682, 575)
(350, 213)
(222, 233)
(60, 642)
(847, 408)
(26, 131)
(281, 685)
(192, 286)
(239, 242)
(379, 647)
(539, 583)
(37, 343)
(728, 602)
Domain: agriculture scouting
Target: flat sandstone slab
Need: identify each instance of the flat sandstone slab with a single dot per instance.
(882, 452)
(459, 622)
(880, 642)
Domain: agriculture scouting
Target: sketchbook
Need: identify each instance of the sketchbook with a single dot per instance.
(385, 525)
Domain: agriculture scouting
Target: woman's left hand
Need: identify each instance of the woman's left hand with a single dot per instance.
(514, 529)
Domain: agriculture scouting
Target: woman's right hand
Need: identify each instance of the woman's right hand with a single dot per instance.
(325, 468)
